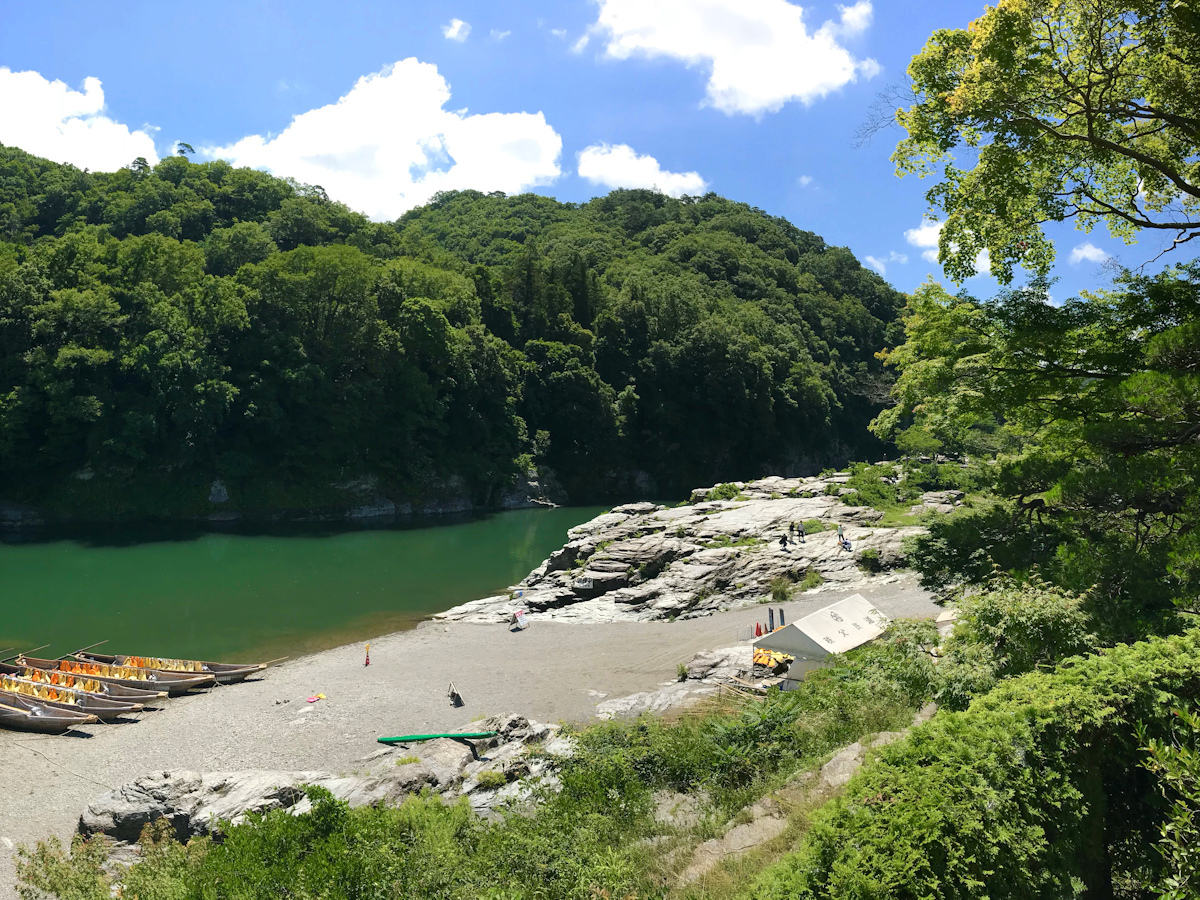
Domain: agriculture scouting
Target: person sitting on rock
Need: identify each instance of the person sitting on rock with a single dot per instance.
(783, 542)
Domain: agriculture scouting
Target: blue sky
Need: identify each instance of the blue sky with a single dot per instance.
(757, 100)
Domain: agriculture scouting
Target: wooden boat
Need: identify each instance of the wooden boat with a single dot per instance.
(102, 689)
(224, 673)
(30, 715)
(64, 698)
(173, 683)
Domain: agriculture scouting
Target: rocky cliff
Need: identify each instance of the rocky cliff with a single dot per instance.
(643, 561)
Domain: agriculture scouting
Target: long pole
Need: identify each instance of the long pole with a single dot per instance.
(89, 647)
(25, 652)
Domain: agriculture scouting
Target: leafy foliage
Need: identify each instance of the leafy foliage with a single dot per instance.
(166, 325)
(1034, 791)
(1062, 109)
(1176, 762)
(1091, 412)
(1007, 630)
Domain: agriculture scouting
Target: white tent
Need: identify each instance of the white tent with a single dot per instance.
(837, 628)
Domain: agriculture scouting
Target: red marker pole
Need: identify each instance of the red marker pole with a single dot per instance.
(368, 662)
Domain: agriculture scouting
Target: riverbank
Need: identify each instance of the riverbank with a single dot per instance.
(550, 672)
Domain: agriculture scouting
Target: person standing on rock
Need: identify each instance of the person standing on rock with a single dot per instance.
(841, 533)
(800, 533)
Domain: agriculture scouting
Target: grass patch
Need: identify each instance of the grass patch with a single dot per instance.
(726, 540)
(781, 590)
(812, 578)
(490, 779)
(405, 760)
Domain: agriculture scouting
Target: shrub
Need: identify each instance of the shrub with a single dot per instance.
(681, 672)
(812, 578)
(1034, 791)
(491, 779)
(1010, 629)
(781, 589)
(727, 491)
(869, 560)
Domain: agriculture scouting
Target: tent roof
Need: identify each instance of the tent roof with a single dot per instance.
(836, 628)
(792, 641)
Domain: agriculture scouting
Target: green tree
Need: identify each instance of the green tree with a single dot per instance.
(1047, 110)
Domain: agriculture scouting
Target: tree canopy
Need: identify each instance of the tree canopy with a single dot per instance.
(193, 320)
(1091, 411)
(1047, 110)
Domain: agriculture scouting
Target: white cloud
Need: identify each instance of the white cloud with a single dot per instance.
(559, 32)
(499, 35)
(619, 166)
(457, 30)
(1088, 251)
(389, 144)
(805, 180)
(761, 53)
(925, 236)
(855, 19)
(49, 119)
(580, 44)
(880, 265)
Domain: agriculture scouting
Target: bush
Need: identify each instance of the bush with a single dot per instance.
(781, 589)
(869, 560)
(1007, 630)
(727, 491)
(1034, 791)
(492, 779)
(812, 578)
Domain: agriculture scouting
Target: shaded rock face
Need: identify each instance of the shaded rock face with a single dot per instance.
(196, 803)
(641, 561)
(537, 487)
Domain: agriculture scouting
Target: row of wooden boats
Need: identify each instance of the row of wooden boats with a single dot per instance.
(52, 696)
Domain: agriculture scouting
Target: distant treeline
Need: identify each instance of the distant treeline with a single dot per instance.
(199, 321)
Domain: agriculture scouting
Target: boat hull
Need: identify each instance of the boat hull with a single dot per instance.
(25, 715)
(173, 684)
(108, 690)
(72, 701)
(222, 673)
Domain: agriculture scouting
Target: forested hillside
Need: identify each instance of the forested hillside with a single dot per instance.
(164, 326)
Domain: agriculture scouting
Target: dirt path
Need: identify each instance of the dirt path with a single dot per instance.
(550, 672)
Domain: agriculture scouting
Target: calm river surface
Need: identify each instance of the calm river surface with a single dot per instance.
(244, 595)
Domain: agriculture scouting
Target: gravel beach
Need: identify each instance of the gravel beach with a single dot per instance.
(549, 672)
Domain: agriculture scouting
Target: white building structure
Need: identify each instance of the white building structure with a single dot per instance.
(837, 628)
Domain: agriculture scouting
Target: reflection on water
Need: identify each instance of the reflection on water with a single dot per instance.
(256, 592)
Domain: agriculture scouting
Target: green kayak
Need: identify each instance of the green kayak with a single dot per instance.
(406, 738)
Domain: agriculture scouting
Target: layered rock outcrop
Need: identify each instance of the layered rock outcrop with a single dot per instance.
(642, 561)
(198, 803)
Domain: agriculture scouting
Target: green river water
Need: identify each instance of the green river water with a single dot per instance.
(246, 596)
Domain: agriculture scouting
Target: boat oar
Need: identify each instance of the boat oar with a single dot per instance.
(89, 647)
(273, 662)
(25, 652)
